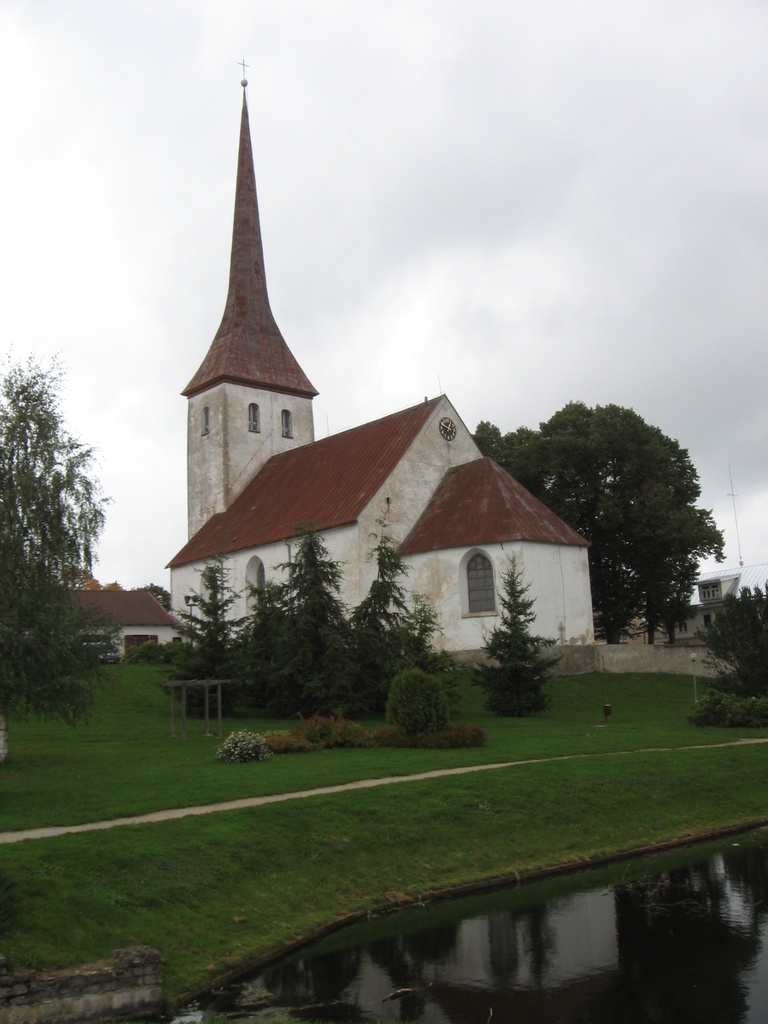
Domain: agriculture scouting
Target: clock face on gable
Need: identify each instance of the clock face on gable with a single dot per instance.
(447, 428)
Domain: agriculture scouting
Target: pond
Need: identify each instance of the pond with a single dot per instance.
(676, 938)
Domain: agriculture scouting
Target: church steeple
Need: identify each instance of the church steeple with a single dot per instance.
(250, 399)
(248, 348)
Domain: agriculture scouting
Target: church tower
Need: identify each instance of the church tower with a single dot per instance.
(250, 398)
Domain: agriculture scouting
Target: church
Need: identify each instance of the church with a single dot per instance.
(256, 476)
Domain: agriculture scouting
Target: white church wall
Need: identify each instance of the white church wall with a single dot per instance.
(242, 569)
(559, 579)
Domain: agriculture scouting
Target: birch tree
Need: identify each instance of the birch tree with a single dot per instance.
(51, 514)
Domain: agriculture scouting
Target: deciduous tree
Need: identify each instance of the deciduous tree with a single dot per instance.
(51, 515)
(737, 643)
(631, 492)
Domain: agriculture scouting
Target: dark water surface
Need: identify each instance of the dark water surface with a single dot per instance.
(677, 938)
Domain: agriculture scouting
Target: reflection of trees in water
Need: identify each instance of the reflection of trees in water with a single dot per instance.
(317, 979)
(685, 939)
(409, 960)
(682, 950)
(522, 936)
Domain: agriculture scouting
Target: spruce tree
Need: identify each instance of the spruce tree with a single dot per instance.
(316, 671)
(380, 630)
(514, 677)
(212, 634)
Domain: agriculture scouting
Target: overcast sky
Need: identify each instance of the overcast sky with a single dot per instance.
(519, 203)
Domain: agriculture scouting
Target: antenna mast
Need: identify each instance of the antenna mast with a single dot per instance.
(732, 496)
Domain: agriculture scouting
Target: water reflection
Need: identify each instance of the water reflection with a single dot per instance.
(674, 940)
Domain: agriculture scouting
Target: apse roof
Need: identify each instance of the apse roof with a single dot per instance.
(480, 503)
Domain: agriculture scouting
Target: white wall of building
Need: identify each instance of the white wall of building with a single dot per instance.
(559, 585)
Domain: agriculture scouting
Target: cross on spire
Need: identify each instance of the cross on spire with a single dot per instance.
(243, 65)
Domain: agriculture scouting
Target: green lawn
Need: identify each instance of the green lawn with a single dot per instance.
(125, 762)
(211, 892)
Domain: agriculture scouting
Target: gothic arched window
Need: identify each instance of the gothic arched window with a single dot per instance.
(254, 418)
(481, 593)
(287, 423)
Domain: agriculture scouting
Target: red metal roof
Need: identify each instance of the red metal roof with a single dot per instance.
(480, 503)
(328, 482)
(126, 607)
(248, 347)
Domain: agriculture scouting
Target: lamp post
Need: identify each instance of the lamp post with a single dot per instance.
(693, 666)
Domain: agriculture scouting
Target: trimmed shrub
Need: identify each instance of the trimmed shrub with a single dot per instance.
(457, 736)
(148, 653)
(321, 732)
(331, 731)
(288, 743)
(719, 708)
(417, 703)
(240, 747)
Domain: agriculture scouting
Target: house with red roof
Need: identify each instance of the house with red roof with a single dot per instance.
(137, 614)
(256, 476)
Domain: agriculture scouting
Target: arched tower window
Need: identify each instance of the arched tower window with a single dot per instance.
(481, 593)
(206, 425)
(254, 418)
(287, 423)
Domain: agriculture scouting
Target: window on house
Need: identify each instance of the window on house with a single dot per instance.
(135, 639)
(206, 420)
(287, 423)
(254, 421)
(480, 590)
(710, 591)
(707, 621)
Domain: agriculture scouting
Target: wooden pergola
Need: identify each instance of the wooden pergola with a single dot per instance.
(183, 684)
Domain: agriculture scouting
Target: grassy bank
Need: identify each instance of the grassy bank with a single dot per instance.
(212, 891)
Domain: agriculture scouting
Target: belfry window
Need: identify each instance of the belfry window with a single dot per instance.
(481, 593)
(254, 418)
(287, 423)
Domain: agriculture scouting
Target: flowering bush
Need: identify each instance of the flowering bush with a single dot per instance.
(240, 747)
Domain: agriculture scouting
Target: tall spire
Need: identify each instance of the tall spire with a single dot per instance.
(248, 347)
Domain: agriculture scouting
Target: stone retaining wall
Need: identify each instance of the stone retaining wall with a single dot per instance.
(128, 984)
(633, 658)
(576, 660)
